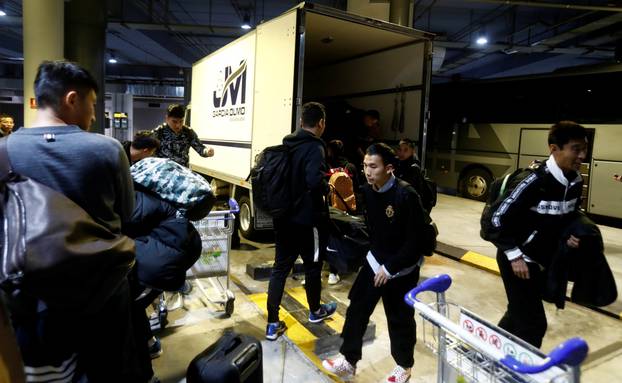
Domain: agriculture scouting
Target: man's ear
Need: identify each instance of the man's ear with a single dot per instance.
(553, 148)
(71, 98)
(389, 168)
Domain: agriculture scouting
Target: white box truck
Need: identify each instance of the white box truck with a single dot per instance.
(248, 94)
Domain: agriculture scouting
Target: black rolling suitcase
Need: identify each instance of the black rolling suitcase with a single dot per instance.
(234, 358)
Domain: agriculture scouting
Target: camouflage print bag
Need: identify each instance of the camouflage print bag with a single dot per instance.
(189, 192)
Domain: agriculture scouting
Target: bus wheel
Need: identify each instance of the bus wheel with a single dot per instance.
(247, 224)
(475, 184)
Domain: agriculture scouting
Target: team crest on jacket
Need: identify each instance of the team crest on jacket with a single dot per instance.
(389, 211)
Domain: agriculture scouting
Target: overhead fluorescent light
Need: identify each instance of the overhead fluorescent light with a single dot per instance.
(481, 40)
(247, 22)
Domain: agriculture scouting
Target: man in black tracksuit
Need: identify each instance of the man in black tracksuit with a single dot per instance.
(395, 219)
(528, 225)
(303, 230)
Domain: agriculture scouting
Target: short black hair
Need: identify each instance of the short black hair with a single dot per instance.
(175, 111)
(408, 142)
(373, 113)
(564, 131)
(312, 113)
(56, 78)
(145, 139)
(336, 146)
(384, 151)
(4, 115)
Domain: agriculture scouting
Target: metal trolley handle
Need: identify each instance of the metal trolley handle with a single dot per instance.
(571, 352)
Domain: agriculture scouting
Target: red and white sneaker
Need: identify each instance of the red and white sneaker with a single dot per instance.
(399, 375)
(339, 366)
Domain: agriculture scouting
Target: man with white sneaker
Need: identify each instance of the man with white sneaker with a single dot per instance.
(395, 217)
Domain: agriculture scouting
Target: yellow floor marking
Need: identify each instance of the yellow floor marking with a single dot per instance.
(296, 332)
(480, 261)
(299, 294)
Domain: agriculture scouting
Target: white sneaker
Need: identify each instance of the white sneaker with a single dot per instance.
(339, 366)
(333, 279)
(399, 375)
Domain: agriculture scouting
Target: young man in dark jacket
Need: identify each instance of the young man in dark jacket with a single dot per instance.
(142, 146)
(395, 219)
(409, 170)
(302, 231)
(528, 225)
(92, 170)
(176, 139)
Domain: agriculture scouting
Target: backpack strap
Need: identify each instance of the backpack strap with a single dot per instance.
(5, 165)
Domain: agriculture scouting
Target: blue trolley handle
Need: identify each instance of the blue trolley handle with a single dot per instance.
(234, 208)
(572, 352)
(438, 284)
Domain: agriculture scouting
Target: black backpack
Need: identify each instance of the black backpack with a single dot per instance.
(51, 248)
(430, 232)
(498, 192)
(429, 193)
(271, 180)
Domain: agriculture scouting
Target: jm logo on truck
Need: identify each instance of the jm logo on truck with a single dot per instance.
(233, 89)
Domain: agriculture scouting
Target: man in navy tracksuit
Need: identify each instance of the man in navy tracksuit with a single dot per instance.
(528, 226)
(395, 219)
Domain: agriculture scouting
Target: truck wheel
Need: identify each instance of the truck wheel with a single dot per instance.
(247, 224)
(475, 184)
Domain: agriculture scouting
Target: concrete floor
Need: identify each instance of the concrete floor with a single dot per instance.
(199, 323)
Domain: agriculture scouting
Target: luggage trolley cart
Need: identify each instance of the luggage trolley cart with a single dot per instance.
(476, 351)
(216, 230)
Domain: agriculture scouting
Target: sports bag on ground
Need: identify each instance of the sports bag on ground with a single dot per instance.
(348, 241)
(52, 249)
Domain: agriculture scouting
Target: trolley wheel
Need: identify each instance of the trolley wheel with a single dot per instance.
(245, 217)
(229, 303)
(475, 184)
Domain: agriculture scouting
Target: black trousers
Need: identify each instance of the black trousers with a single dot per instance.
(291, 241)
(525, 316)
(400, 317)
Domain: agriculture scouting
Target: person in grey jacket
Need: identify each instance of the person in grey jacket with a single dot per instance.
(302, 231)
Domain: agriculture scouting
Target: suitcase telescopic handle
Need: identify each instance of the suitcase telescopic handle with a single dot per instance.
(247, 361)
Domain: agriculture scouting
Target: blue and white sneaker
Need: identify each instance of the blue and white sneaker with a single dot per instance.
(326, 311)
(274, 330)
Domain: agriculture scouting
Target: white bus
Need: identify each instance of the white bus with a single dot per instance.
(481, 131)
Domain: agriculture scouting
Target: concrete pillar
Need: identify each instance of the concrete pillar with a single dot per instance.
(85, 44)
(43, 40)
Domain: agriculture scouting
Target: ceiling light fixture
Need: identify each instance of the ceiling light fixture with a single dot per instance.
(2, 8)
(247, 22)
(481, 40)
(112, 59)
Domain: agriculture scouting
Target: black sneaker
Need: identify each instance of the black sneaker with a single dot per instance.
(155, 350)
